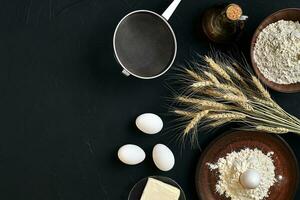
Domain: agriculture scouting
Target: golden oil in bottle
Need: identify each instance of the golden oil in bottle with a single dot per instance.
(223, 23)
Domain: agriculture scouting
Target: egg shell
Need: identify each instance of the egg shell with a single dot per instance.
(250, 179)
(149, 123)
(163, 157)
(131, 154)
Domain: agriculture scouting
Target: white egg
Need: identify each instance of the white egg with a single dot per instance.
(131, 154)
(149, 123)
(250, 179)
(163, 157)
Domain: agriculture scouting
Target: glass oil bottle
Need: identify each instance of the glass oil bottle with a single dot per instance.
(223, 23)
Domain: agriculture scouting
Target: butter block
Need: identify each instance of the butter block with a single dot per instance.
(158, 190)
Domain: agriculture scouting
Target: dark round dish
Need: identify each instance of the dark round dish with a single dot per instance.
(292, 14)
(137, 190)
(284, 160)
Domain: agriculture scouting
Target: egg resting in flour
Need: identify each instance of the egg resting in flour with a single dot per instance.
(149, 123)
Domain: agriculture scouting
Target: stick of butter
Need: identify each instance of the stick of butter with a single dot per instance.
(156, 189)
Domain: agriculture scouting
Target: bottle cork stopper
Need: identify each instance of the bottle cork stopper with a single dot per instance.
(233, 11)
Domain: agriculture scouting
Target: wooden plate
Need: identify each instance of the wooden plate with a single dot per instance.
(137, 190)
(284, 160)
(285, 14)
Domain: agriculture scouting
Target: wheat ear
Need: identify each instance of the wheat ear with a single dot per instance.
(212, 77)
(185, 113)
(212, 93)
(235, 98)
(193, 123)
(227, 116)
(217, 68)
(202, 84)
(265, 102)
(204, 103)
(235, 74)
(277, 130)
(219, 122)
(260, 87)
(194, 75)
(229, 88)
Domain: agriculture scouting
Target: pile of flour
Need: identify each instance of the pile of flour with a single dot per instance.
(234, 164)
(277, 52)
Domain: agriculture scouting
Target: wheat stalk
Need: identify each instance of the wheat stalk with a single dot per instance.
(223, 92)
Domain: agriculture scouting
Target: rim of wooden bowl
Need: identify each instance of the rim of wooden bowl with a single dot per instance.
(285, 14)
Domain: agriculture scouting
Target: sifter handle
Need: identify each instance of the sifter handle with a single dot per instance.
(169, 11)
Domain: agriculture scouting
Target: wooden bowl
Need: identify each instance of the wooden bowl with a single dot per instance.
(284, 160)
(292, 14)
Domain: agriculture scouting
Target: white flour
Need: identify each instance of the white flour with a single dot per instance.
(277, 52)
(234, 164)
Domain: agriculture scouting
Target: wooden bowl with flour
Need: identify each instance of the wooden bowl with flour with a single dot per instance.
(284, 159)
(289, 14)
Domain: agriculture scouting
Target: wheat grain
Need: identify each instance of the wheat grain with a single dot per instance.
(277, 130)
(217, 68)
(195, 121)
(260, 87)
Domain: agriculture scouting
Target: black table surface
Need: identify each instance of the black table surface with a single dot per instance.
(65, 108)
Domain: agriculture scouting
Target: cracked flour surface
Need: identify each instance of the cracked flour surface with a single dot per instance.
(234, 164)
(277, 52)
